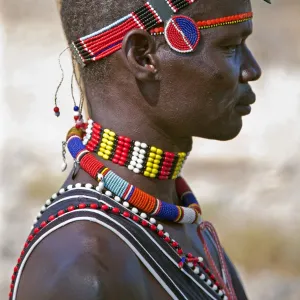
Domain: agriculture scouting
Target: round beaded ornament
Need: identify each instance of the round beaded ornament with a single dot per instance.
(182, 34)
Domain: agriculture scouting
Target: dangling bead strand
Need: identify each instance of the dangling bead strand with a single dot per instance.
(78, 118)
(56, 111)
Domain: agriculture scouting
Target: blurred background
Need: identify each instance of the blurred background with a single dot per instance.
(248, 187)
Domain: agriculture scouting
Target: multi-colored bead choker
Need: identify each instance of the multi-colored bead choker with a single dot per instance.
(137, 156)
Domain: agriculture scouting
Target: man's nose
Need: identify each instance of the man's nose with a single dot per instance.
(250, 69)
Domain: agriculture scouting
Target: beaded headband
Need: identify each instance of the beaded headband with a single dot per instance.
(181, 33)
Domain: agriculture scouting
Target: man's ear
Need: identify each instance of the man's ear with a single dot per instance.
(139, 53)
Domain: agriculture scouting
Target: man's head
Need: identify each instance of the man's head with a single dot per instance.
(202, 94)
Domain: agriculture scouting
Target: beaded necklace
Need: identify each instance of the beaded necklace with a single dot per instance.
(135, 155)
(147, 203)
(127, 191)
(220, 282)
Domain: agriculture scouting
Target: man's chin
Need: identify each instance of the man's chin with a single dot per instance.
(226, 136)
(231, 132)
(227, 132)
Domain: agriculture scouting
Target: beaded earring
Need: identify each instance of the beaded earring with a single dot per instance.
(56, 108)
(78, 117)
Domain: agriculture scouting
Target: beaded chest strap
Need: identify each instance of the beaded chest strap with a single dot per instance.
(136, 156)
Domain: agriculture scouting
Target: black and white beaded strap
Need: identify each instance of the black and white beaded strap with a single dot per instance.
(89, 194)
(179, 285)
(107, 222)
(151, 242)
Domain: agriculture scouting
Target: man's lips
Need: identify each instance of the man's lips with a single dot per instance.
(247, 99)
(243, 106)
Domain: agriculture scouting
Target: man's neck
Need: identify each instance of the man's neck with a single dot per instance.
(133, 117)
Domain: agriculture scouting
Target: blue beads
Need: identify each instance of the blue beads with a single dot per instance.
(183, 259)
(122, 187)
(189, 29)
(131, 193)
(115, 183)
(168, 212)
(76, 108)
(75, 145)
(188, 198)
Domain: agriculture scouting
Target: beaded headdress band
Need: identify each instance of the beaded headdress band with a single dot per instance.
(181, 33)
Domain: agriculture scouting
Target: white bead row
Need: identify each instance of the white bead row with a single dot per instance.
(189, 216)
(78, 114)
(88, 132)
(138, 156)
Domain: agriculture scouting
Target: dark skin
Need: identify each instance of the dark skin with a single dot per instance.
(154, 95)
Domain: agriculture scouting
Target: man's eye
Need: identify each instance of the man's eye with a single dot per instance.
(231, 48)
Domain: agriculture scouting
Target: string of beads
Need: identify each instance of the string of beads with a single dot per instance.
(137, 156)
(234, 19)
(184, 193)
(123, 189)
(196, 264)
(147, 203)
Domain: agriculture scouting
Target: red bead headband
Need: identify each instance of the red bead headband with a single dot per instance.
(213, 22)
(181, 32)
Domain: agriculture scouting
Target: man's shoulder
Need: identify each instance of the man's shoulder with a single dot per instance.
(77, 261)
(82, 238)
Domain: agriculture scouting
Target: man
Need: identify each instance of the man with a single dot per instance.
(151, 93)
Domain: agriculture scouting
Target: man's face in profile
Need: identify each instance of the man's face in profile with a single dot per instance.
(209, 87)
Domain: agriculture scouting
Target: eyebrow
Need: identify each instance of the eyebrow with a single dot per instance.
(238, 31)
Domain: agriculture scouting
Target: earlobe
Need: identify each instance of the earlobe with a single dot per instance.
(139, 53)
